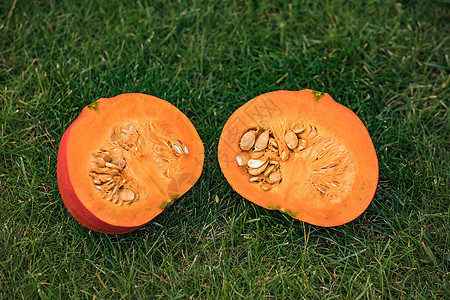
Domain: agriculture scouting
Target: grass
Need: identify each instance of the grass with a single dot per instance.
(386, 60)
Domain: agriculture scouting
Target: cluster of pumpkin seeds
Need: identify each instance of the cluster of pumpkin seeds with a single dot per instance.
(265, 147)
(109, 164)
(108, 178)
(109, 168)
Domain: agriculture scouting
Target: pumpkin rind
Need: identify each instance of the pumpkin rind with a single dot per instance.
(88, 133)
(301, 192)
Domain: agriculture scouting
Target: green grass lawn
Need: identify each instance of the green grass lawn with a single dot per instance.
(386, 60)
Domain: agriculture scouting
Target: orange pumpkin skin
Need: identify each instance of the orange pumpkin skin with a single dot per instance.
(328, 183)
(154, 182)
(73, 203)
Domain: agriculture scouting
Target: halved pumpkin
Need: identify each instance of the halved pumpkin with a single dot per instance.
(124, 159)
(302, 153)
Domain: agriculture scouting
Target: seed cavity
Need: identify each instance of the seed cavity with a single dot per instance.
(109, 169)
(266, 149)
(108, 178)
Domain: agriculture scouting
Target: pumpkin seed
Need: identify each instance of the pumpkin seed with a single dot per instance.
(272, 149)
(115, 138)
(114, 191)
(266, 186)
(313, 132)
(186, 150)
(284, 155)
(99, 170)
(242, 159)
(269, 170)
(255, 179)
(291, 139)
(275, 176)
(255, 163)
(118, 161)
(177, 146)
(126, 195)
(113, 166)
(301, 144)
(108, 187)
(321, 190)
(273, 143)
(100, 161)
(239, 160)
(117, 151)
(247, 140)
(256, 154)
(257, 171)
(262, 140)
(104, 178)
(298, 128)
(112, 171)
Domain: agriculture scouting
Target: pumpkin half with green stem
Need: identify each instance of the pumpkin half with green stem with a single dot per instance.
(124, 159)
(302, 153)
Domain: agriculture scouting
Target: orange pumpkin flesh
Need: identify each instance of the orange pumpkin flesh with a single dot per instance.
(329, 178)
(124, 159)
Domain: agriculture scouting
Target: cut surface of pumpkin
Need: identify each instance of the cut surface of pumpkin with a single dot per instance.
(302, 153)
(124, 159)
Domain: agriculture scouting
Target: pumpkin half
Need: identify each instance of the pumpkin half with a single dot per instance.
(124, 159)
(302, 153)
